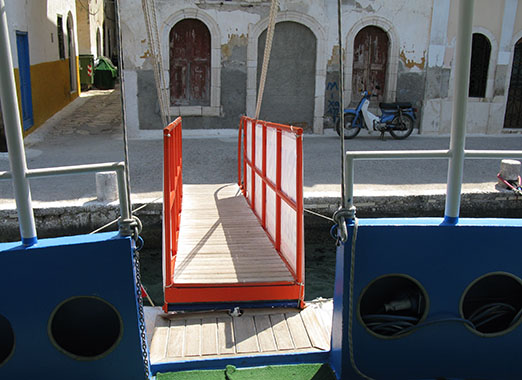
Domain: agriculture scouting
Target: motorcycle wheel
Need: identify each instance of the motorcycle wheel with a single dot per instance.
(402, 127)
(350, 130)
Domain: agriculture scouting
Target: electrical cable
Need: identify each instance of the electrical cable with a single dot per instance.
(395, 325)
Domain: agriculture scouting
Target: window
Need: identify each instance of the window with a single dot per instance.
(478, 76)
(61, 43)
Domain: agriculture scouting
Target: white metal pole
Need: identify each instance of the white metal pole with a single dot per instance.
(13, 132)
(458, 120)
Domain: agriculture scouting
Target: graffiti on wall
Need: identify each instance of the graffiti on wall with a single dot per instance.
(332, 101)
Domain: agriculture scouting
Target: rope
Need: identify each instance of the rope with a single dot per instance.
(319, 215)
(160, 63)
(116, 220)
(513, 185)
(266, 56)
(350, 300)
(155, 50)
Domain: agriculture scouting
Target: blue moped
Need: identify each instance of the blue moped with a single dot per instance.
(396, 118)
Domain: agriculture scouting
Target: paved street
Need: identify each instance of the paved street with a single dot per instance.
(89, 131)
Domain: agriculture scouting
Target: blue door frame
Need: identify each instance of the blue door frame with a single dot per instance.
(24, 70)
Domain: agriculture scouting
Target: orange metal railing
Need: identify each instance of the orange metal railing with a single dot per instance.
(273, 191)
(172, 194)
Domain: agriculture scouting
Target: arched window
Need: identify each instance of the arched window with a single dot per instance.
(190, 46)
(478, 76)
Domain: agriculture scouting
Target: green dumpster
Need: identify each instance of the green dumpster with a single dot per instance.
(86, 71)
(105, 74)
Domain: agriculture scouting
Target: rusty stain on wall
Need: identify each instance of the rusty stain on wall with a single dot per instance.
(410, 63)
(234, 40)
(146, 54)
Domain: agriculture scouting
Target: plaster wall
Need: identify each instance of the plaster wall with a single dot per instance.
(38, 19)
(518, 21)
(498, 22)
(83, 27)
(50, 83)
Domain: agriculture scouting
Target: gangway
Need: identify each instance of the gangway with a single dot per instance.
(230, 245)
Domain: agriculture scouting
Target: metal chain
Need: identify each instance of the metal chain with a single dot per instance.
(141, 319)
(134, 223)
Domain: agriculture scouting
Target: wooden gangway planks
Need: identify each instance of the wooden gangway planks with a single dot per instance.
(222, 242)
(195, 336)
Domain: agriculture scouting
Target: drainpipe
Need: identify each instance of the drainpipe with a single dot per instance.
(13, 133)
(458, 120)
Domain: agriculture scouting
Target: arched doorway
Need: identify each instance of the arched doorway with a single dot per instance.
(73, 82)
(290, 85)
(513, 117)
(370, 58)
(190, 62)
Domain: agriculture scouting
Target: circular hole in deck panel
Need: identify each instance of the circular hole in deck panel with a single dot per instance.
(493, 303)
(391, 305)
(85, 328)
(7, 340)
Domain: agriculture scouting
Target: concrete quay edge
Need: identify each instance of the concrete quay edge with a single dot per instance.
(84, 215)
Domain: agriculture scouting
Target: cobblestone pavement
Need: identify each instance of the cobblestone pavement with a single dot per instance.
(98, 112)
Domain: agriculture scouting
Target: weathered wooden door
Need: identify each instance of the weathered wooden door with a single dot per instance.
(190, 64)
(513, 118)
(370, 57)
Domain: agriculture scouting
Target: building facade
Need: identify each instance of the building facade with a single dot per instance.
(44, 51)
(212, 52)
(46, 38)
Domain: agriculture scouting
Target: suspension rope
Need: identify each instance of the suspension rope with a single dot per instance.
(149, 12)
(266, 56)
(161, 75)
(116, 220)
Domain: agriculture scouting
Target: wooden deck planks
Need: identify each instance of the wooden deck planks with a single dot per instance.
(194, 336)
(221, 241)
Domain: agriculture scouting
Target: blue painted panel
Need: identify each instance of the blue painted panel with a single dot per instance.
(38, 278)
(243, 362)
(445, 260)
(24, 70)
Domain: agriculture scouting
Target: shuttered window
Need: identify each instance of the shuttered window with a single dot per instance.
(61, 43)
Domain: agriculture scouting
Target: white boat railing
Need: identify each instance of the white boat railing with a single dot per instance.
(118, 167)
(352, 156)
